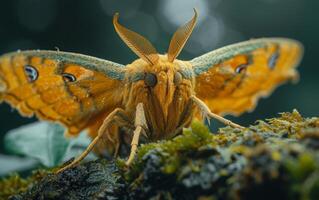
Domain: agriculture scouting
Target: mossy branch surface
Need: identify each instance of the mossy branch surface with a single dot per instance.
(274, 159)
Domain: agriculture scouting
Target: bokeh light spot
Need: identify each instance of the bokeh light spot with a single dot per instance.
(178, 12)
(206, 36)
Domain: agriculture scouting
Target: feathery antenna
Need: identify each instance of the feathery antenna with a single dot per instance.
(180, 38)
(137, 43)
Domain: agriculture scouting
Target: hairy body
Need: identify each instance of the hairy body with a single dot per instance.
(167, 105)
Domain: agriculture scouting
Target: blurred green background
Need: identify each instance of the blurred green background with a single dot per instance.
(84, 26)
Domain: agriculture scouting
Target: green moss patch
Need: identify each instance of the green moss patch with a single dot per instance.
(274, 159)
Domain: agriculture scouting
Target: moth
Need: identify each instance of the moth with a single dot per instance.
(153, 97)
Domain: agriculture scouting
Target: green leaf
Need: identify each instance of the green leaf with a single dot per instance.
(77, 145)
(41, 140)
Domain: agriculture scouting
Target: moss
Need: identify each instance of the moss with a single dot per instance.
(276, 158)
(14, 184)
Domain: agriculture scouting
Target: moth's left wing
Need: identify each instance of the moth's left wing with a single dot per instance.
(73, 89)
(230, 80)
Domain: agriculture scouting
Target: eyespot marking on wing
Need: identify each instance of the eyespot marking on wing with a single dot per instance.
(31, 72)
(68, 77)
(241, 68)
(272, 61)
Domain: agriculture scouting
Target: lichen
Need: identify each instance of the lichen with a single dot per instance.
(277, 158)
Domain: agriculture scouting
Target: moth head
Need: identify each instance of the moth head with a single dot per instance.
(145, 50)
(161, 84)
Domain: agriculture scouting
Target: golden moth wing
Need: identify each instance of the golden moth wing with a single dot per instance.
(58, 86)
(230, 80)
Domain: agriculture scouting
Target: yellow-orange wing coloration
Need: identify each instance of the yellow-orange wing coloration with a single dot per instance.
(70, 88)
(231, 79)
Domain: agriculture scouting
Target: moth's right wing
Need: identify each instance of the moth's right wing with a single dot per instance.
(231, 79)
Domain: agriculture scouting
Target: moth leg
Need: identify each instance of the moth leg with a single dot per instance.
(140, 126)
(122, 120)
(117, 149)
(101, 131)
(207, 113)
(186, 117)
